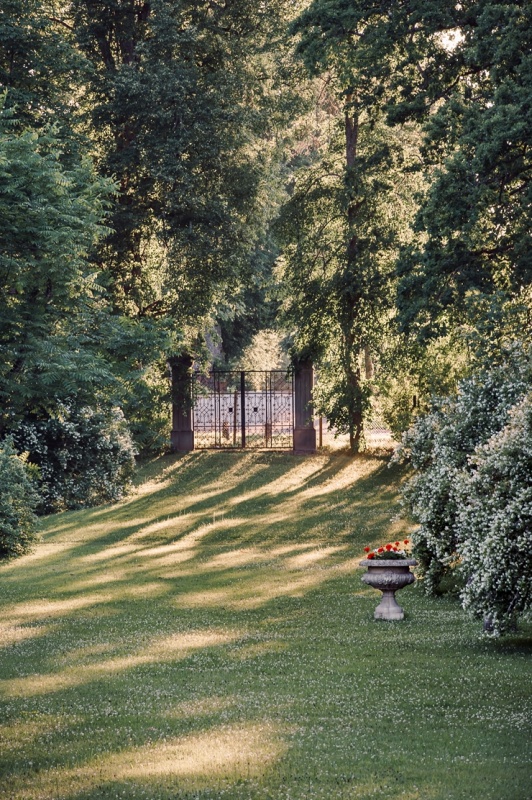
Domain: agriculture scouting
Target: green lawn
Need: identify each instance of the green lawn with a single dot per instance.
(210, 637)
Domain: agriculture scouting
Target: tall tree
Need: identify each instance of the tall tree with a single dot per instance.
(341, 229)
(183, 113)
(346, 220)
(51, 218)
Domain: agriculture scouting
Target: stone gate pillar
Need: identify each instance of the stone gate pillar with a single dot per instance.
(182, 436)
(304, 431)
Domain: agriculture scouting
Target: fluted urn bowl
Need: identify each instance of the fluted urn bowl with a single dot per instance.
(388, 575)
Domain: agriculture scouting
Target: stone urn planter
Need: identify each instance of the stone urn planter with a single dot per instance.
(388, 575)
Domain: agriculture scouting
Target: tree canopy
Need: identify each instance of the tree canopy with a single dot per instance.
(463, 72)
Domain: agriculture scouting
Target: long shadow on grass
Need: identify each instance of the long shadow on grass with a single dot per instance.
(118, 661)
(203, 493)
(99, 578)
(265, 514)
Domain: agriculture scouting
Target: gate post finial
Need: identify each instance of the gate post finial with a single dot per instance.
(182, 436)
(304, 431)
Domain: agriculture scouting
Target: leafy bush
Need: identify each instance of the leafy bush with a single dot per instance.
(494, 523)
(409, 376)
(85, 455)
(18, 499)
(439, 447)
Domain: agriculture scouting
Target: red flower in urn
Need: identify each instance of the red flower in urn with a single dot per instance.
(393, 550)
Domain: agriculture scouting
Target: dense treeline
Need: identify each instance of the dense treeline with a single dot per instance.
(357, 176)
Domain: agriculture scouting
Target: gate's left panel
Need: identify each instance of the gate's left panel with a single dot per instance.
(217, 415)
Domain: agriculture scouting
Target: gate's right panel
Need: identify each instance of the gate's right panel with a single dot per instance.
(269, 409)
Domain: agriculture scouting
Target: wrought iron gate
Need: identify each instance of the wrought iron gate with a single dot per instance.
(243, 409)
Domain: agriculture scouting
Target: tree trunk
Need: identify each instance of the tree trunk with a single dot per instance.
(368, 363)
(352, 346)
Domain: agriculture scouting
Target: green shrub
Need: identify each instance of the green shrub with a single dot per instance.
(439, 447)
(85, 455)
(18, 500)
(472, 491)
(494, 524)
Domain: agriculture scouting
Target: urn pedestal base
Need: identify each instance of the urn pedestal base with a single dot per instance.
(388, 576)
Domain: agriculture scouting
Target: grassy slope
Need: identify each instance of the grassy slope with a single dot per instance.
(210, 637)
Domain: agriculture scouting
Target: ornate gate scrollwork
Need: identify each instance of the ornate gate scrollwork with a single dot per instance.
(237, 409)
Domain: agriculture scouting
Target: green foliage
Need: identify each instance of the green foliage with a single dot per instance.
(184, 105)
(494, 524)
(265, 351)
(476, 215)
(340, 239)
(410, 375)
(85, 455)
(40, 70)
(51, 218)
(441, 447)
(463, 71)
(59, 338)
(18, 500)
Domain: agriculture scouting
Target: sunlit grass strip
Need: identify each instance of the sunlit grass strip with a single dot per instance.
(210, 637)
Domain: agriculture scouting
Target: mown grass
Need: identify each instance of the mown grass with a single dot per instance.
(210, 637)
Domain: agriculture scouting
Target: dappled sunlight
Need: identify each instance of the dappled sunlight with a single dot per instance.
(109, 552)
(90, 533)
(229, 753)
(342, 479)
(286, 549)
(249, 592)
(276, 563)
(106, 578)
(18, 734)
(243, 467)
(169, 648)
(13, 633)
(289, 481)
(299, 474)
(87, 653)
(163, 525)
(191, 539)
(210, 636)
(313, 556)
(184, 539)
(202, 707)
(44, 609)
(43, 551)
(240, 557)
(280, 576)
(348, 565)
(160, 471)
(171, 525)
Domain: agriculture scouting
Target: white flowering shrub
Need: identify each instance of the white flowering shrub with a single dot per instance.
(494, 524)
(18, 500)
(85, 455)
(439, 447)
